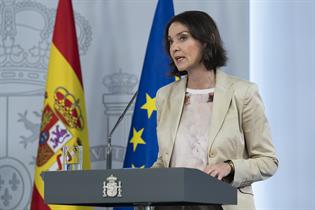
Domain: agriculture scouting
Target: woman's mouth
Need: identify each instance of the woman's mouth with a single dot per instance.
(178, 59)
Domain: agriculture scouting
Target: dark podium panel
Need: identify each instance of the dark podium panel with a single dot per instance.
(136, 187)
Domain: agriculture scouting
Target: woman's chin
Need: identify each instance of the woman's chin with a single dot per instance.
(181, 69)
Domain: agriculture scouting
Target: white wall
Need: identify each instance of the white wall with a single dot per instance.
(282, 52)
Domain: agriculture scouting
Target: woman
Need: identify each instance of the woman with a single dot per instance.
(210, 120)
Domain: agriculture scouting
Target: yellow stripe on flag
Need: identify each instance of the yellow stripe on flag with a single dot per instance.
(64, 119)
(59, 66)
(61, 75)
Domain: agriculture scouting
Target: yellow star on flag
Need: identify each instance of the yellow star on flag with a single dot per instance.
(136, 138)
(149, 105)
(133, 166)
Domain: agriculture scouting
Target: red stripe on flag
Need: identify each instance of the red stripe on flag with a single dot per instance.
(64, 36)
(38, 201)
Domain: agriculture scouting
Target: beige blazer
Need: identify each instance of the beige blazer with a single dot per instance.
(239, 132)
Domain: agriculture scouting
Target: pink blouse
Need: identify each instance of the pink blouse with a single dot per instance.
(192, 139)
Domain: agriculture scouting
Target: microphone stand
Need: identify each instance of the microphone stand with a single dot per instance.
(109, 136)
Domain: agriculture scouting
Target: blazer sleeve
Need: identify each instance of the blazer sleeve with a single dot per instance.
(159, 162)
(262, 162)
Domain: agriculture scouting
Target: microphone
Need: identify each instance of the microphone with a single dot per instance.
(109, 136)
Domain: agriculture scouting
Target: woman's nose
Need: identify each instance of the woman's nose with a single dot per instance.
(174, 47)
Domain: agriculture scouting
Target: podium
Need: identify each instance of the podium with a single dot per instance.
(136, 187)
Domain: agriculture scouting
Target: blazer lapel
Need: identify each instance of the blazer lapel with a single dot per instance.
(223, 93)
(222, 97)
(176, 104)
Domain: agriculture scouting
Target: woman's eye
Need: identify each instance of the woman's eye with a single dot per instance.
(182, 38)
(170, 42)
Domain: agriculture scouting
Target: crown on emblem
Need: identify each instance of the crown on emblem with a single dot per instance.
(67, 108)
(111, 178)
(120, 82)
(25, 60)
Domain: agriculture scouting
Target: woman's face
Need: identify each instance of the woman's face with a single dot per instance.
(186, 52)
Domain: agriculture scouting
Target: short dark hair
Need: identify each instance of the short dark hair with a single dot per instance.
(202, 28)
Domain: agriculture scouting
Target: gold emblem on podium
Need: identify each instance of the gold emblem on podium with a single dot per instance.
(112, 187)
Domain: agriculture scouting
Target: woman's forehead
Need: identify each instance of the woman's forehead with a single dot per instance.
(177, 28)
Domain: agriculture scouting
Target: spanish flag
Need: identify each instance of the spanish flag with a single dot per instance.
(64, 120)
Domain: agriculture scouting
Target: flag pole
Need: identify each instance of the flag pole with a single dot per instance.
(109, 153)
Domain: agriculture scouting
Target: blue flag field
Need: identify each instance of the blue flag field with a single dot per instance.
(142, 145)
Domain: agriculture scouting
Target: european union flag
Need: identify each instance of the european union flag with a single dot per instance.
(142, 145)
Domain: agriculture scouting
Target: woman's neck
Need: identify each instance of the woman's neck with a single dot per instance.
(201, 79)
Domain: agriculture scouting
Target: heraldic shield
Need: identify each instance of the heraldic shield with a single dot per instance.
(112, 187)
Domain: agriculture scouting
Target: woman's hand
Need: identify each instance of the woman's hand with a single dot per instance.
(219, 170)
